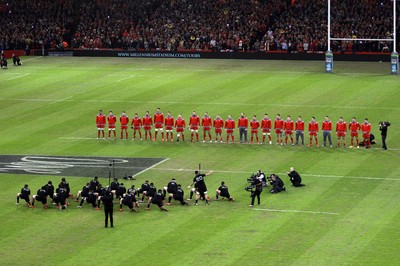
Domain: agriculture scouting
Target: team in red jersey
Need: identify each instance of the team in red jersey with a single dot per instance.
(266, 126)
(229, 128)
(278, 126)
(158, 124)
(180, 125)
(327, 131)
(206, 123)
(218, 125)
(313, 131)
(169, 126)
(299, 130)
(366, 133)
(147, 122)
(124, 120)
(354, 127)
(288, 126)
(100, 123)
(341, 130)
(194, 123)
(111, 119)
(136, 125)
(254, 125)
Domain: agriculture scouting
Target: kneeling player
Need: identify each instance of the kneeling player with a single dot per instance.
(84, 192)
(170, 188)
(223, 192)
(24, 194)
(178, 195)
(89, 198)
(157, 199)
(60, 199)
(128, 199)
(40, 196)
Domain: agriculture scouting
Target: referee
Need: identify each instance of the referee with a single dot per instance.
(107, 200)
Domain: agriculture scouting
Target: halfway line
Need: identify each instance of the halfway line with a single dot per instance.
(62, 100)
(297, 211)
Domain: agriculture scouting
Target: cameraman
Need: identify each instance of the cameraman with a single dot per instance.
(295, 178)
(277, 184)
(258, 187)
(383, 128)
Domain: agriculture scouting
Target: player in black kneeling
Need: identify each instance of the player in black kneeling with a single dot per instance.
(223, 192)
(295, 178)
(50, 191)
(16, 60)
(277, 184)
(170, 188)
(41, 196)
(60, 198)
(83, 192)
(89, 198)
(129, 200)
(114, 186)
(157, 199)
(178, 195)
(143, 189)
(24, 194)
(121, 190)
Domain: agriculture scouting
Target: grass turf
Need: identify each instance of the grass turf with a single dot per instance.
(350, 201)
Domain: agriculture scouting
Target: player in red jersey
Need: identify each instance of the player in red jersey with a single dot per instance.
(180, 125)
(366, 133)
(169, 125)
(341, 130)
(354, 127)
(100, 123)
(124, 120)
(206, 123)
(278, 126)
(112, 119)
(147, 124)
(313, 130)
(288, 126)
(299, 130)
(218, 125)
(254, 125)
(158, 124)
(327, 131)
(266, 126)
(194, 123)
(229, 128)
(136, 125)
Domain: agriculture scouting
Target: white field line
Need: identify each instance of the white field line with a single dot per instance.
(32, 58)
(209, 103)
(298, 211)
(21, 76)
(62, 100)
(151, 167)
(129, 77)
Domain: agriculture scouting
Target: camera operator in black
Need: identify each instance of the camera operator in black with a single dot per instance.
(121, 190)
(263, 179)
(258, 188)
(107, 200)
(383, 127)
(170, 188)
(295, 178)
(277, 184)
(24, 194)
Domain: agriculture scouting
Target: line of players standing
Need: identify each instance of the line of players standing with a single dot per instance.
(285, 130)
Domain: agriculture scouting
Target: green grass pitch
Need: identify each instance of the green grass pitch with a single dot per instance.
(348, 213)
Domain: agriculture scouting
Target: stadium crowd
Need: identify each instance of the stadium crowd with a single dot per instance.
(291, 25)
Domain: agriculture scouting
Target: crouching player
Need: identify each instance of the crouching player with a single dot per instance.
(223, 192)
(24, 194)
(84, 192)
(89, 198)
(171, 187)
(16, 60)
(40, 196)
(178, 195)
(157, 199)
(129, 200)
(60, 198)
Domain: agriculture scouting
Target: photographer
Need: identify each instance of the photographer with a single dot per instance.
(258, 187)
(295, 178)
(277, 184)
(383, 126)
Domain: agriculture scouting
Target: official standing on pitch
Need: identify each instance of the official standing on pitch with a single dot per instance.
(107, 200)
(383, 126)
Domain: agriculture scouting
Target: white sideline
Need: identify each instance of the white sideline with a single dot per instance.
(297, 211)
(151, 167)
(129, 77)
(62, 100)
(21, 76)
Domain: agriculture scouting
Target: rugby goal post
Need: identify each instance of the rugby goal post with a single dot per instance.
(394, 62)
